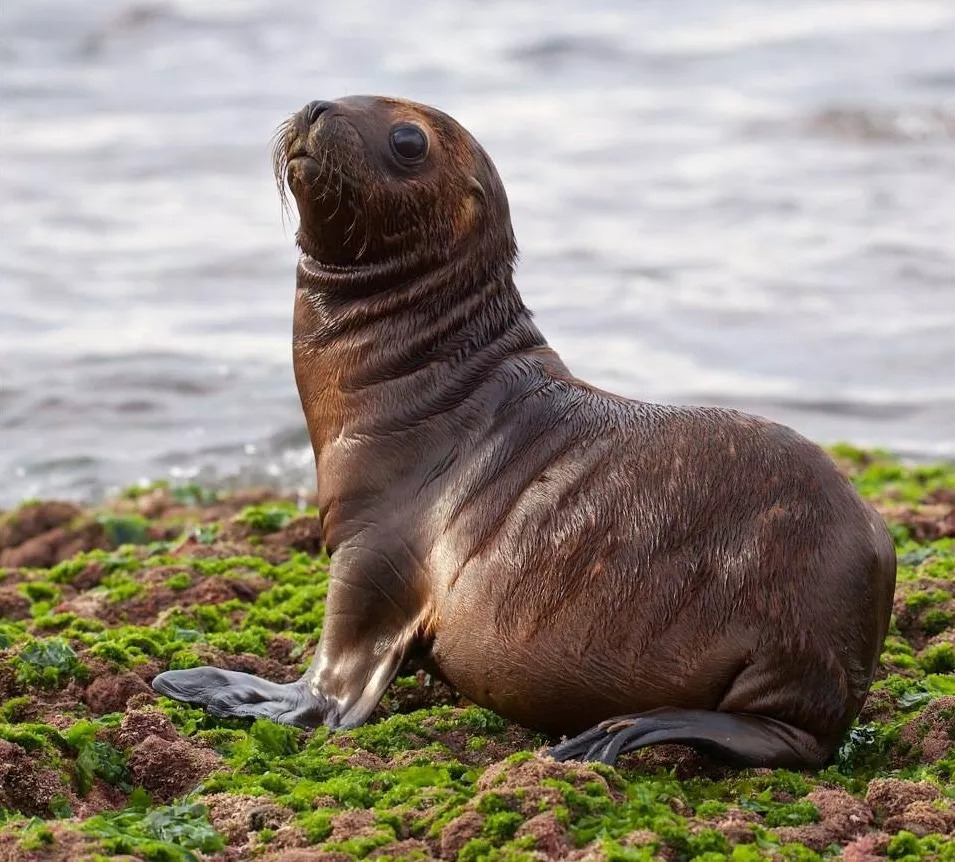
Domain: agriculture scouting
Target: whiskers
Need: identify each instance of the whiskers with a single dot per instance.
(337, 203)
(280, 152)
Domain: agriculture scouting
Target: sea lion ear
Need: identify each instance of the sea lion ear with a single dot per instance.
(477, 189)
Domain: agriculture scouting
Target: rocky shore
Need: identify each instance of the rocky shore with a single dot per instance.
(95, 601)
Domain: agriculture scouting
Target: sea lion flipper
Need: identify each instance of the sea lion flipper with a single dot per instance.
(368, 630)
(376, 610)
(231, 694)
(744, 739)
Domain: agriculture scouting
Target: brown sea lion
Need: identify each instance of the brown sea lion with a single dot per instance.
(564, 556)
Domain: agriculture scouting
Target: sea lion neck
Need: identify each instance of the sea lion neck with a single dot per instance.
(404, 291)
(364, 361)
(382, 322)
(341, 283)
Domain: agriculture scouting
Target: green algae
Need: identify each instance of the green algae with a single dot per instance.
(46, 663)
(907, 847)
(267, 518)
(124, 529)
(96, 758)
(36, 835)
(878, 475)
(421, 774)
(160, 834)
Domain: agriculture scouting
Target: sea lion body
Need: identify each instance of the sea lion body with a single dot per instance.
(561, 555)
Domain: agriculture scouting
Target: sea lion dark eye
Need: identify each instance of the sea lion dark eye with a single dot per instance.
(409, 143)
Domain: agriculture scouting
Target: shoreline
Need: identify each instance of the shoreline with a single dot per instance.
(97, 599)
(283, 463)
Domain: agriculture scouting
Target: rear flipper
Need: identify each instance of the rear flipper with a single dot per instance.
(746, 740)
(228, 694)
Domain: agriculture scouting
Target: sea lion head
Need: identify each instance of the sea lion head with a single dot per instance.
(383, 182)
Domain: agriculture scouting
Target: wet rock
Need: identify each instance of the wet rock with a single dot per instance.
(815, 836)
(25, 785)
(880, 706)
(684, 762)
(352, 823)
(92, 573)
(148, 607)
(528, 776)
(138, 725)
(843, 814)
(221, 549)
(100, 797)
(367, 760)
(409, 848)
(458, 832)
(9, 687)
(111, 693)
(247, 663)
(286, 838)
(923, 818)
(929, 734)
(302, 534)
(65, 846)
(737, 825)
(235, 817)
(33, 519)
(54, 546)
(89, 605)
(226, 508)
(842, 818)
(550, 837)
(154, 503)
(13, 604)
(167, 769)
(890, 797)
(280, 648)
(214, 591)
(305, 855)
(171, 765)
(426, 693)
(869, 848)
(925, 523)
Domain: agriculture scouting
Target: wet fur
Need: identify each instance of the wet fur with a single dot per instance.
(561, 554)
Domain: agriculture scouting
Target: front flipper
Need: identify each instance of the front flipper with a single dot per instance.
(747, 740)
(230, 694)
(374, 613)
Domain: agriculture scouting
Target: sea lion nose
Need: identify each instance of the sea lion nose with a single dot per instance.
(313, 110)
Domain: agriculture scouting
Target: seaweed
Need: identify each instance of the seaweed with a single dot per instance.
(192, 577)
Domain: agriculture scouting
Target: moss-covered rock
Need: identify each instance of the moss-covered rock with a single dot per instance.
(95, 602)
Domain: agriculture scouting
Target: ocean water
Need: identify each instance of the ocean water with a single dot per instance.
(748, 203)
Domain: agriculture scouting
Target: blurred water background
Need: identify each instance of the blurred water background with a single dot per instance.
(748, 203)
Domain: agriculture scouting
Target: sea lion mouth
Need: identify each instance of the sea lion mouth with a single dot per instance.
(321, 162)
(332, 202)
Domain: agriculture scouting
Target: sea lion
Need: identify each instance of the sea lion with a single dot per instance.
(566, 557)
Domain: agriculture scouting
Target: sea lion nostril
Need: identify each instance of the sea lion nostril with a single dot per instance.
(314, 110)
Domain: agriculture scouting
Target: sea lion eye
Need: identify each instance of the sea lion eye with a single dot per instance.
(409, 143)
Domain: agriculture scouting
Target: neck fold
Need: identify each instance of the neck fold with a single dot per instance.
(442, 316)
